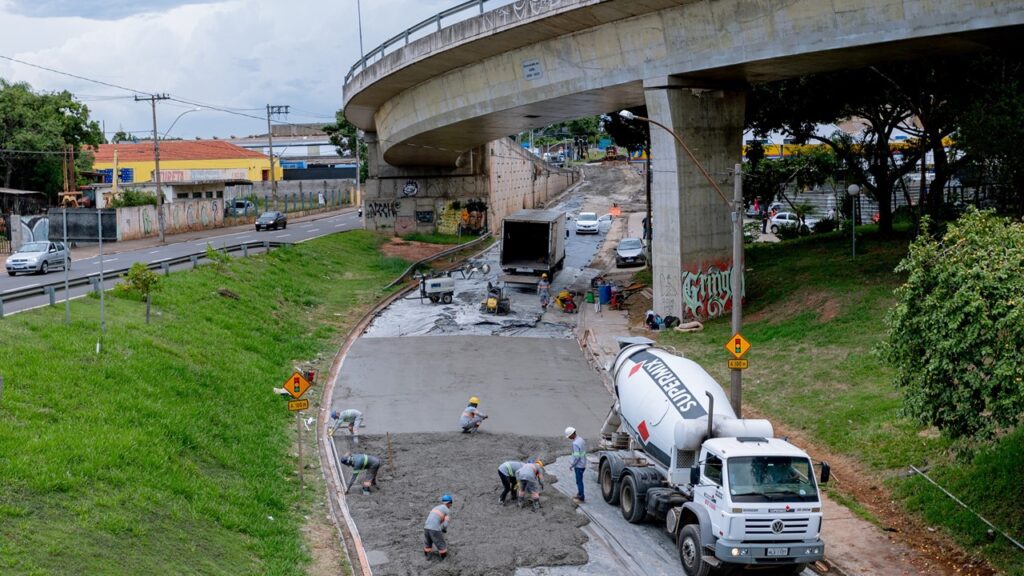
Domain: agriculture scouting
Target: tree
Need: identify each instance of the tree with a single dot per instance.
(633, 135)
(956, 334)
(343, 134)
(120, 136)
(768, 179)
(35, 131)
(798, 106)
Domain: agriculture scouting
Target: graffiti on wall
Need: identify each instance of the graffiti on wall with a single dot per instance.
(469, 216)
(425, 216)
(34, 228)
(411, 188)
(377, 210)
(180, 216)
(707, 292)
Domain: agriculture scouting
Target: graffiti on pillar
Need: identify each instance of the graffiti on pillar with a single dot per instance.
(410, 189)
(405, 225)
(666, 293)
(382, 209)
(707, 292)
(425, 216)
(474, 216)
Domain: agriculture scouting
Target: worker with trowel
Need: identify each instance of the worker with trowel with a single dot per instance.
(471, 416)
(507, 475)
(531, 481)
(361, 463)
(435, 528)
(352, 418)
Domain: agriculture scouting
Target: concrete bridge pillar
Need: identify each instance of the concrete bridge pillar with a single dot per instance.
(692, 261)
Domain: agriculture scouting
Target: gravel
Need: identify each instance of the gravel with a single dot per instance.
(484, 538)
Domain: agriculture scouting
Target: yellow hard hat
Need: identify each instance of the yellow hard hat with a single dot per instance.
(544, 276)
(539, 462)
(474, 400)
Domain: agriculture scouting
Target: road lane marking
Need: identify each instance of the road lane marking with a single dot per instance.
(314, 230)
(284, 235)
(155, 252)
(30, 285)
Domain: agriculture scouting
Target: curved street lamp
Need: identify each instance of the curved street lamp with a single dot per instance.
(854, 191)
(168, 131)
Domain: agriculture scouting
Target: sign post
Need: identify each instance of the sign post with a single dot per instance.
(296, 385)
(737, 346)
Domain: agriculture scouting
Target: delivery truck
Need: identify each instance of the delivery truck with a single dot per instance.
(726, 490)
(532, 243)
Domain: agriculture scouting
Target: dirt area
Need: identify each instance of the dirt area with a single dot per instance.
(802, 300)
(483, 537)
(411, 250)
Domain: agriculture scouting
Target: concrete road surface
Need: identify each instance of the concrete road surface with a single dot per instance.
(533, 386)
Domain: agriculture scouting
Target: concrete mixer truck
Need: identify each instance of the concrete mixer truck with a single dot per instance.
(728, 492)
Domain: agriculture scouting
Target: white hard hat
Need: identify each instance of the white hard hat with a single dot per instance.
(569, 431)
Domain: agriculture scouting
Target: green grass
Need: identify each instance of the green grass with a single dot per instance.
(438, 238)
(167, 453)
(814, 317)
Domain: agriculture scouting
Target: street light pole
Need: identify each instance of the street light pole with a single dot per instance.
(736, 207)
(854, 192)
(156, 162)
(168, 131)
(271, 111)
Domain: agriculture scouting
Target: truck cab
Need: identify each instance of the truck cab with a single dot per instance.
(760, 502)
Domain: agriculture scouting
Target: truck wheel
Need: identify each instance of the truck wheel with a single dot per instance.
(447, 298)
(634, 509)
(434, 298)
(691, 552)
(608, 491)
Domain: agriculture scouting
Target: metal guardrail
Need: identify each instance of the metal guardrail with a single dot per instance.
(165, 264)
(404, 36)
(431, 258)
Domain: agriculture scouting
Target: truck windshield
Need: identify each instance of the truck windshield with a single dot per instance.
(771, 479)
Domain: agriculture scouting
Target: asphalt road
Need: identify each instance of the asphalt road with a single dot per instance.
(149, 251)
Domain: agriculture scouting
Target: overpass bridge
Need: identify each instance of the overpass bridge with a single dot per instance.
(430, 104)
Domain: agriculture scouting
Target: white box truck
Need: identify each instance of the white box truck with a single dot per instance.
(728, 492)
(532, 243)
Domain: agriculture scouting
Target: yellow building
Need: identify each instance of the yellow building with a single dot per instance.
(184, 161)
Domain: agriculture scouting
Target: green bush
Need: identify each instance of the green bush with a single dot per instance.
(788, 232)
(133, 197)
(139, 281)
(956, 335)
(825, 225)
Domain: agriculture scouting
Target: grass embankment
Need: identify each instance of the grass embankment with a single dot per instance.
(814, 317)
(167, 453)
(438, 238)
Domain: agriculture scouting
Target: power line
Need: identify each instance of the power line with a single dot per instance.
(55, 71)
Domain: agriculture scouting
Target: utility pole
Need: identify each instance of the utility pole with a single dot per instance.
(156, 161)
(736, 388)
(273, 111)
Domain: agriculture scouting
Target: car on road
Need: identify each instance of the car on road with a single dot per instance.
(38, 257)
(792, 219)
(630, 252)
(269, 220)
(586, 223)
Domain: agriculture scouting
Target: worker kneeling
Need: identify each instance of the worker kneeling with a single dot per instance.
(531, 481)
(362, 464)
(472, 416)
(435, 528)
(507, 475)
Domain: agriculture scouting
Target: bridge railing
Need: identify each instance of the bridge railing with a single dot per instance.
(404, 37)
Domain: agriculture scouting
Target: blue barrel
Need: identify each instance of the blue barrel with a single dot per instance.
(604, 292)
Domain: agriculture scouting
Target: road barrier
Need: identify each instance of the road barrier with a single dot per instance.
(163, 265)
(431, 258)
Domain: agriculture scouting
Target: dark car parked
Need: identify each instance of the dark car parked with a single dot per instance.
(269, 220)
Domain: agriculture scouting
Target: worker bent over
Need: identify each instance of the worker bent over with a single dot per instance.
(362, 464)
(507, 475)
(578, 463)
(435, 528)
(352, 418)
(472, 416)
(531, 481)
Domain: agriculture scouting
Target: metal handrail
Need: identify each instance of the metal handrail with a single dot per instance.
(165, 264)
(432, 257)
(404, 36)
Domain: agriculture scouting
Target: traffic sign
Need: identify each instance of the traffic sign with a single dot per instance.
(738, 364)
(296, 405)
(296, 385)
(737, 345)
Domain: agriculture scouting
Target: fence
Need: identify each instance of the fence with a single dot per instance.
(5, 234)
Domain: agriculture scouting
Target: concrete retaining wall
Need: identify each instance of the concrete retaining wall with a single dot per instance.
(179, 216)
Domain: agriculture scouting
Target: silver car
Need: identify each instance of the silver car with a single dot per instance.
(630, 252)
(38, 257)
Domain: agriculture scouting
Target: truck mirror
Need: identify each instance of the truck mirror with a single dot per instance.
(826, 472)
(695, 475)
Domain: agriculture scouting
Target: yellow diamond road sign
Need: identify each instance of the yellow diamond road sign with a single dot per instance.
(296, 385)
(737, 345)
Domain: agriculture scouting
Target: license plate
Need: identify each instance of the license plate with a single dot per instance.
(525, 270)
(778, 551)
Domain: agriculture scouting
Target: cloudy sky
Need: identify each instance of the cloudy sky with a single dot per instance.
(236, 54)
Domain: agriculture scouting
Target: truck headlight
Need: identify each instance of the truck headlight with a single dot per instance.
(813, 550)
(739, 552)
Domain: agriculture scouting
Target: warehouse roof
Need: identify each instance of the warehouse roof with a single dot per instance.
(174, 150)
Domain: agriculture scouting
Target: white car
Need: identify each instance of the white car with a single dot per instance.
(38, 257)
(586, 223)
(787, 219)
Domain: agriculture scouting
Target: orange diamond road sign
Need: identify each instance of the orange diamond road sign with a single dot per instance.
(296, 385)
(737, 345)
(296, 405)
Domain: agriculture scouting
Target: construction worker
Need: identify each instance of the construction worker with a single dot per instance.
(544, 291)
(435, 528)
(352, 417)
(507, 475)
(531, 480)
(362, 463)
(578, 462)
(471, 416)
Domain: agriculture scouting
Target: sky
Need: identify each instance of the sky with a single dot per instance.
(237, 54)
